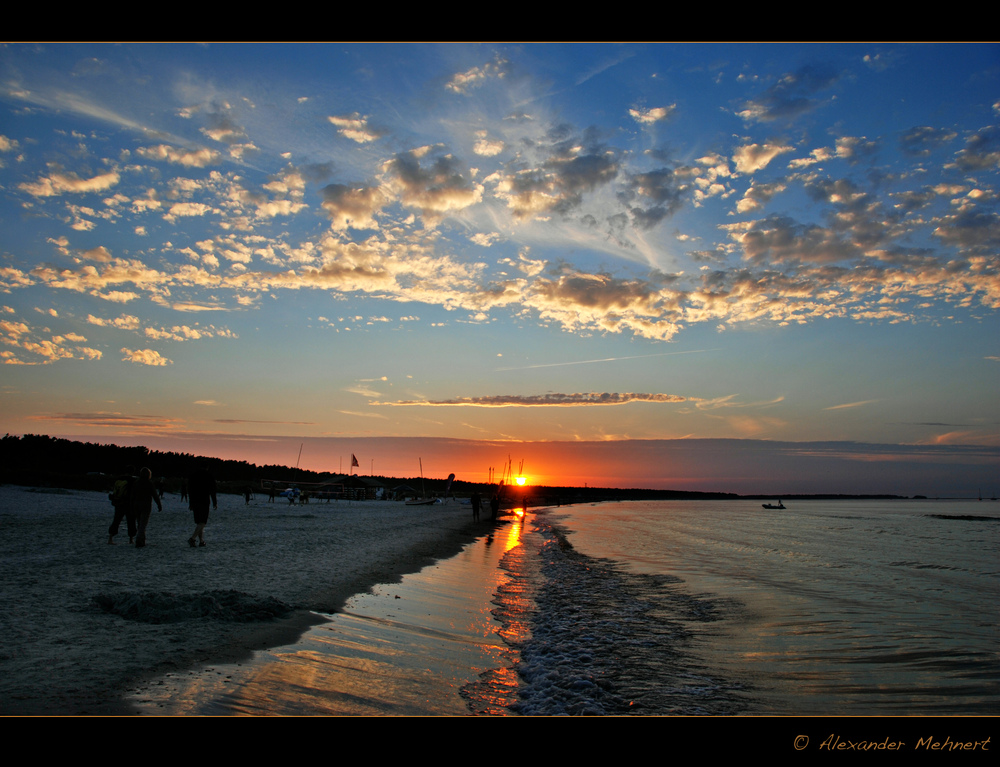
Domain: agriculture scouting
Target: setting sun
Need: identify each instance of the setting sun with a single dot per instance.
(520, 480)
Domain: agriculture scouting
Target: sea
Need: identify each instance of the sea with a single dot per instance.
(843, 607)
(858, 608)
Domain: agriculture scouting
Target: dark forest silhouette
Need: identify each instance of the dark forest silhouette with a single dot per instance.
(49, 461)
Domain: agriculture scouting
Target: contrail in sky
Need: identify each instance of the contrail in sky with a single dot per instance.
(607, 359)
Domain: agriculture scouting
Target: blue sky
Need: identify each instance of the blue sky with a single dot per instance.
(254, 245)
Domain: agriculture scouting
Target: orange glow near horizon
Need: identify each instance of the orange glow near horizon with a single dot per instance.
(738, 466)
(469, 460)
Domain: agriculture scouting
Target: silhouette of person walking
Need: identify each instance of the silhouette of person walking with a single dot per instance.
(201, 489)
(121, 499)
(143, 495)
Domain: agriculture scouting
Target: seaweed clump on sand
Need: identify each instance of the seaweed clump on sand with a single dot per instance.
(165, 607)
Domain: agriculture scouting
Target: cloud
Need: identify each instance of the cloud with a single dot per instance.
(355, 127)
(653, 115)
(778, 240)
(567, 167)
(34, 348)
(463, 82)
(436, 187)
(100, 254)
(579, 301)
(751, 158)
(353, 207)
(188, 333)
(793, 95)
(364, 415)
(183, 209)
(123, 322)
(222, 127)
(198, 158)
(663, 187)
(982, 151)
(485, 147)
(851, 405)
(921, 140)
(973, 231)
(730, 401)
(60, 183)
(111, 419)
(758, 195)
(145, 357)
(822, 154)
(544, 400)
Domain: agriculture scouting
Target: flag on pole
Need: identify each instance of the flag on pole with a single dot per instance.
(354, 461)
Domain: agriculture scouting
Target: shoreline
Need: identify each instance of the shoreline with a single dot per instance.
(61, 654)
(279, 632)
(292, 628)
(421, 645)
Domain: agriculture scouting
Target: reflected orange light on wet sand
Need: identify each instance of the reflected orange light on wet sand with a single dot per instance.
(406, 648)
(514, 530)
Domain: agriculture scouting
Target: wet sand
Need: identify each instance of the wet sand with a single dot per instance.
(83, 625)
(406, 648)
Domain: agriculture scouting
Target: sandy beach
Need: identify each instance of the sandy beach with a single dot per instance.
(83, 623)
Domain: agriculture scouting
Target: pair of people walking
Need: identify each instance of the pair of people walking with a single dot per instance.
(133, 499)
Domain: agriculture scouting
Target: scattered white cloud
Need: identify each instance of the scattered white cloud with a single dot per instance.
(144, 357)
(652, 115)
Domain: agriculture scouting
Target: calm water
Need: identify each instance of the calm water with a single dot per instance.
(846, 607)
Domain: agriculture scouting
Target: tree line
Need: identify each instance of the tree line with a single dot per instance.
(39, 460)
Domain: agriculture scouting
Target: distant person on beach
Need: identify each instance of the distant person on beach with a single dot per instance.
(494, 506)
(247, 495)
(121, 499)
(143, 495)
(477, 502)
(201, 489)
(270, 494)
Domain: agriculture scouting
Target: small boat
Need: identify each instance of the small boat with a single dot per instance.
(772, 506)
(423, 500)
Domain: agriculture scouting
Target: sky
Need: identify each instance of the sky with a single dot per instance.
(713, 267)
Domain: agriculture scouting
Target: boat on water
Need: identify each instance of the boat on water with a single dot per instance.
(772, 506)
